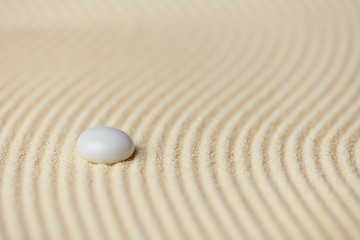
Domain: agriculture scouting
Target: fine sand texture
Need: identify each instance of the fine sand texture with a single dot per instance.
(245, 115)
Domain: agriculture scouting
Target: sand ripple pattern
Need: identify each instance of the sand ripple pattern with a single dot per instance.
(246, 116)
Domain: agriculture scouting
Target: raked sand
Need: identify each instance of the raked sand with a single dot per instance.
(245, 115)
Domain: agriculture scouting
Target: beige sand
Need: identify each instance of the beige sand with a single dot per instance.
(246, 116)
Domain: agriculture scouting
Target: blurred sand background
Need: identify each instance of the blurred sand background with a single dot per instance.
(246, 116)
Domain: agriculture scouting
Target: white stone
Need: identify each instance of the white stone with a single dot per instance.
(105, 145)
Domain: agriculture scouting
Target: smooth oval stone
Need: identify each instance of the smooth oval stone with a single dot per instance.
(105, 145)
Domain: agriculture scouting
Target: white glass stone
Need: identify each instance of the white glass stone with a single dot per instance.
(105, 145)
